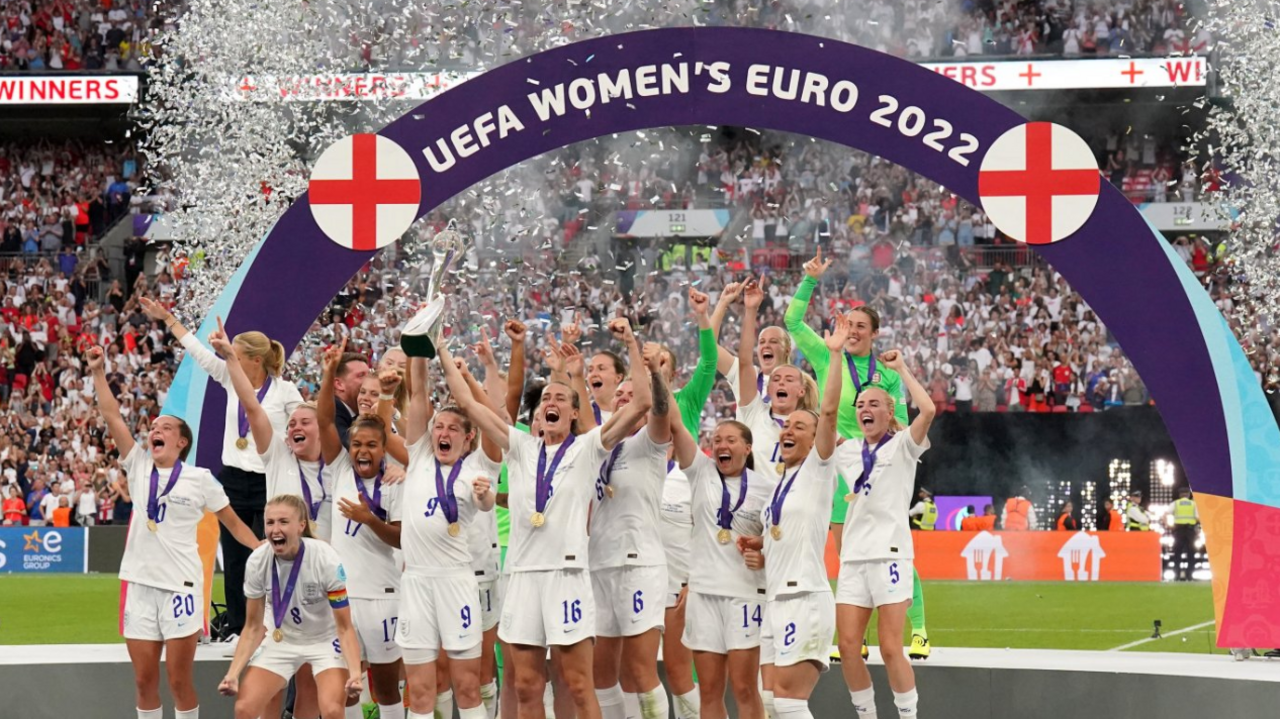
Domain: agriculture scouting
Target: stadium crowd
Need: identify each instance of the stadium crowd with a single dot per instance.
(70, 35)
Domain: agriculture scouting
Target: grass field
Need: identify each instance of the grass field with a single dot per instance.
(82, 609)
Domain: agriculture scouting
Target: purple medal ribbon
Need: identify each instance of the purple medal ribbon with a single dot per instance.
(868, 462)
(780, 495)
(375, 502)
(545, 474)
(724, 517)
(306, 491)
(448, 501)
(595, 411)
(153, 500)
(671, 464)
(606, 469)
(853, 372)
(760, 388)
(280, 603)
(243, 416)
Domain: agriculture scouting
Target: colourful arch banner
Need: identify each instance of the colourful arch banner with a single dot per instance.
(1215, 412)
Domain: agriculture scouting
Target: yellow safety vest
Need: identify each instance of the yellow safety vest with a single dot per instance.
(1138, 526)
(1184, 512)
(929, 518)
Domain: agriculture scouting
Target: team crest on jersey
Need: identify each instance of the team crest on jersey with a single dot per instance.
(312, 593)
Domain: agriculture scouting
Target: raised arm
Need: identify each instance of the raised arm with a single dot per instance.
(660, 415)
(484, 418)
(829, 416)
(693, 397)
(752, 296)
(684, 444)
(894, 360)
(108, 405)
(388, 383)
(418, 420)
(330, 443)
(516, 330)
(624, 421)
(259, 423)
(495, 385)
(806, 339)
(730, 294)
(208, 361)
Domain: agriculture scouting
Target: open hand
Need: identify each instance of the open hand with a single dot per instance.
(357, 512)
(836, 338)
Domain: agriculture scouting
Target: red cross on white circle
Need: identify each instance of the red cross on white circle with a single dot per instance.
(1039, 182)
(364, 192)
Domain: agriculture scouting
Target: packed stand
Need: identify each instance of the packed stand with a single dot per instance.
(70, 35)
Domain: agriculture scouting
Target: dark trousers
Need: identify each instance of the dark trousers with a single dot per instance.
(1184, 550)
(247, 492)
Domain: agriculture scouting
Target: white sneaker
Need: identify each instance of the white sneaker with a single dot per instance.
(231, 642)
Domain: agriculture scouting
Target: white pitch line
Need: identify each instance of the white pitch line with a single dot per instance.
(1140, 642)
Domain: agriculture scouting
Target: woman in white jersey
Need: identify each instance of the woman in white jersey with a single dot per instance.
(677, 539)
(448, 485)
(552, 482)
(772, 348)
(788, 390)
(242, 475)
(310, 619)
(366, 531)
(801, 615)
(164, 591)
(628, 563)
(726, 599)
(877, 553)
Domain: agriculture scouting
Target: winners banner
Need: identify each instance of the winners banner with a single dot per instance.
(43, 549)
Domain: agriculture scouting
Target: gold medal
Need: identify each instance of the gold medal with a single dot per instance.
(723, 536)
(608, 490)
(776, 531)
(151, 524)
(278, 635)
(537, 520)
(850, 497)
(781, 467)
(242, 443)
(454, 529)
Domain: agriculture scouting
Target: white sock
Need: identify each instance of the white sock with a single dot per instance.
(792, 708)
(444, 705)
(766, 697)
(548, 701)
(864, 703)
(188, 714)
(489, 697)
(157, 713)
(415, 715)
(355, 711)
(654, 704)
(689, 706)
(611, 702)
(391, 711)
(631, 703)
(475, 712)
(906, 703)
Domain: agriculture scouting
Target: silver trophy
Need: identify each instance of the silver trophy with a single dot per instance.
(421, 333)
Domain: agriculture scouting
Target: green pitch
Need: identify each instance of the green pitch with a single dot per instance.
(82, 609)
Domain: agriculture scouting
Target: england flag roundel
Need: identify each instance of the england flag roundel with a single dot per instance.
(364, 192)
(1039, 183)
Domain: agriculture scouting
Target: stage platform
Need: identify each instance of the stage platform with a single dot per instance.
(94, 681)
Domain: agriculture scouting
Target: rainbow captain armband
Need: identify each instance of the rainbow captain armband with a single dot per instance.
(338, 598)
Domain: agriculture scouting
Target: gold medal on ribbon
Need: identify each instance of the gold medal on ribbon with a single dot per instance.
(151, 524)
(723, 536)
(454, 529)
(242, 443)
(781, 467)
(537, 520)
(608, 490)
(776, 531)
(278, 635)
(850, 497)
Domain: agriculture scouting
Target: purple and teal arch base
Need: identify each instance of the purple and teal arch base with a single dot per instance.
(1211, 403)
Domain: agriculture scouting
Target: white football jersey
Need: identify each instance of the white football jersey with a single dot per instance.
(677, 522)
(625, 527)
(796, 562)
(720, 568)
(877, 526)
(373, 572)
(286, 475)
(561, 543)
(424, 531)
(321, 586)
(762, 381)
(167, 558)
(766, 433)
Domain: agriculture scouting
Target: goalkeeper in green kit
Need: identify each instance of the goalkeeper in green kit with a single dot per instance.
(860, 373)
